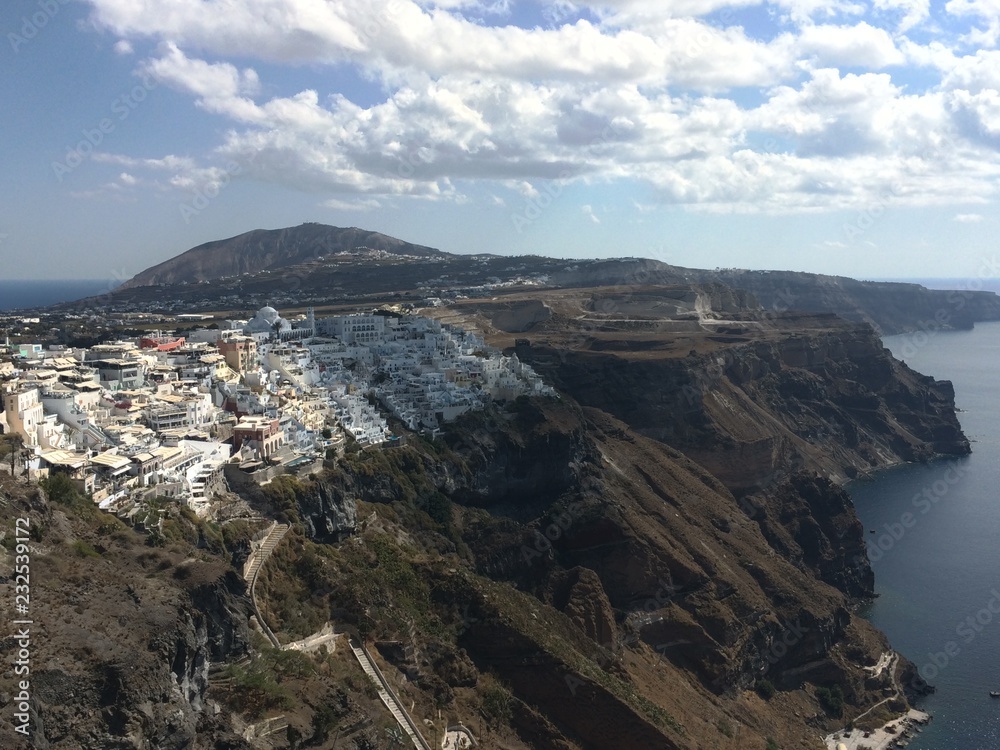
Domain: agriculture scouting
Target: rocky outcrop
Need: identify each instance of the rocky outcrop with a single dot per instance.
(122, 637)
(522, 316)
(328, 513)
(811, 522)
(580, 595)
(830, 401)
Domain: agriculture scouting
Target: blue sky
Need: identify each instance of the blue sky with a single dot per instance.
(835, 136)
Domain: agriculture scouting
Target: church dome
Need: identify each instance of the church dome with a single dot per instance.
(268, 314)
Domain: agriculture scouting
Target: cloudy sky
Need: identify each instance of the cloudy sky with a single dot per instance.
(837, 136)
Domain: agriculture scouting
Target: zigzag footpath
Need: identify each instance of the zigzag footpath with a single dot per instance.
(251, 570)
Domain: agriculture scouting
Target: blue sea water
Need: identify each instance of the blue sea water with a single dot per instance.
(936, 547)
(16, 295)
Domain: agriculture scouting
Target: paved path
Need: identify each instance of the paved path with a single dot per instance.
(458, 738)
(325, 635)
(892, 675)
(261, 553)
(252, 569)
(879, 739)
(389, 698)
(883, 661)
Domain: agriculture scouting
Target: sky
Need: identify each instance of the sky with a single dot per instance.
(834, 136)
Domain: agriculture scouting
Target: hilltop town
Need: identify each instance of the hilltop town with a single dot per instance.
(167, 415)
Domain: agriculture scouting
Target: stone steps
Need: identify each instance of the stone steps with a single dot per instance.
(260, 556)
(266, 548)
(388, 698)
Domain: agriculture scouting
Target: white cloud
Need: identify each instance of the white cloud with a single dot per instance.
(860, 45)
(803, 11)
(986, 9)
(123, 47)
(912, 12)
(398, 37)
(352, 205)
(974, 73)
(588, 211)
(705, 114)
(167, 163)
(968, 218)
(525, 188)
(220, 87)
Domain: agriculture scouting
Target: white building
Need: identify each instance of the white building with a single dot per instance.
(354, 329)
(25, 413)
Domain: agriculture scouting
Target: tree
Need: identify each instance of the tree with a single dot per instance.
(12, 445)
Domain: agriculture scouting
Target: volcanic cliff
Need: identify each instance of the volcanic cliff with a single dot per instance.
(660, 556)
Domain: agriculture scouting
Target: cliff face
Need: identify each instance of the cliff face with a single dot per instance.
(831, 401)
(888, 306)
(610, 581)
(123, 635)
(633, 562)
(765, 417)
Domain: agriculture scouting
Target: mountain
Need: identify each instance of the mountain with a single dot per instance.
(318, 264)
(268, 250)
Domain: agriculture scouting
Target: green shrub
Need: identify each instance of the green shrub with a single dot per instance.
(84, 549)
(765, 688)
(497, 704)
(832, 700)
(438, 507)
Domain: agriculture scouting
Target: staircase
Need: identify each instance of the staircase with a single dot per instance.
(257, 559)
(389, 698)
(261, 554)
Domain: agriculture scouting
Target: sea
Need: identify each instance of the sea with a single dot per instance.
(18, 295)
(935, 548)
